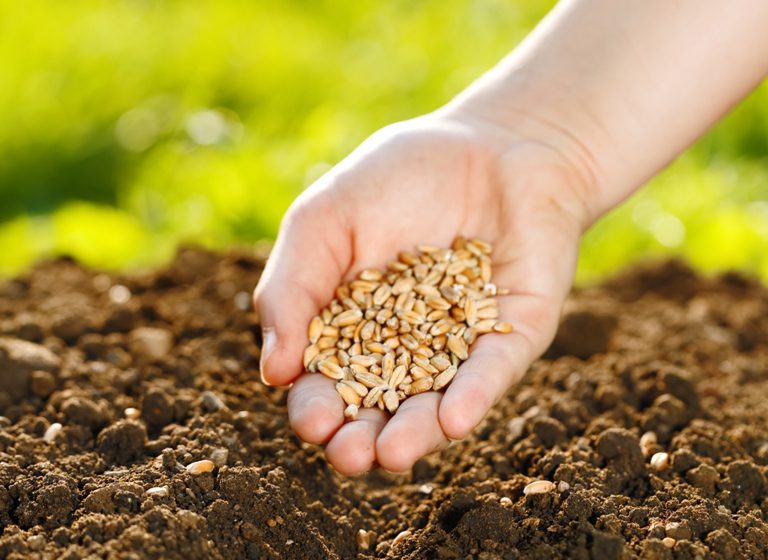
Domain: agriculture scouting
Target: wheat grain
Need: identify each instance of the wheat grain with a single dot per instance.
(392, 333)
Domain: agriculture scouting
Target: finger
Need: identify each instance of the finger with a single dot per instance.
(352, 450)
(309, 259)
(413, 432)
(315, 409)
(496, 361)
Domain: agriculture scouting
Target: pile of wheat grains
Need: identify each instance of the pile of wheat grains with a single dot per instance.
(393, 333)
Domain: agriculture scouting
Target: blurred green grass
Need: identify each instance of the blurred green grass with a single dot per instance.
(130, 126)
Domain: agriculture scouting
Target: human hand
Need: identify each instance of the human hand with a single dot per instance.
(424, 181)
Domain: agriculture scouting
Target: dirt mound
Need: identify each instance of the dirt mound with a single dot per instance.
(658, 350)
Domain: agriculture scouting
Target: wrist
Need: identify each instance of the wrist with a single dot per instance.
(517, 109)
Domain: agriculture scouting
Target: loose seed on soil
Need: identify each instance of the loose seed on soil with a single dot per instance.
(51, 433)
(200, 467)
(505, 501)
(405, 330)
(669, 542)
(538, 487)
(401, 536)
(660, 461)
(132, 413)
(159, 491)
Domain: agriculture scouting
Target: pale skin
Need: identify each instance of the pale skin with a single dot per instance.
(599, 98)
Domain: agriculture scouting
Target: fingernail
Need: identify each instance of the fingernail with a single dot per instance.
(268, 343)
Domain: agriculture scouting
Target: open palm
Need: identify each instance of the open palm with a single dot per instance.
(421, 182)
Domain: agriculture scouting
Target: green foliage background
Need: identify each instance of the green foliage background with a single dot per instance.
(128, 126)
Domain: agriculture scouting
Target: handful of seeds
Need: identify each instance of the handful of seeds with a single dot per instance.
(395, 333)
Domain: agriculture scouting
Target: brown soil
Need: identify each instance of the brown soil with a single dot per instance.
(658, 349)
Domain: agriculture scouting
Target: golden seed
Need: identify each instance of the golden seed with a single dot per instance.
(458, 347)
(504, 328)
(52, 431)
(391, 401)
(200, 467)
(369, 380)
(505, 501)
(483, 246)
(418, 373)
(376, 348)
(469, 336)
(326, 342)
(660, 461)
(408, 258)
(329, 330)
(370, 274)
(349, 317)
(381, 295)
(315, 329)
(421, 385)
(159, 491)
(539, 487)
(387, 365)
(442, 379)
(365, 286)
(329, 369)
(470, 312)
(485, 326)
(413, 317)
(349, 395)
(424, 363)
(372, 398)
(358, 387)
(132, 413)
(403, 286)
(398, 375)
(488, 313)
(362, 360)
(401, 537)
(441, 362)
(309, 354)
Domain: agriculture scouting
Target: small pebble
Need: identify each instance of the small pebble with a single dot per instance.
(212, 402)
(220, 456)
(119, 294)
(243, 301)
(159, 491)
(363, 538)
(505, 501)
(52, 431)
(271, 523)
(401, 536)
(36, 542)
(426, 489)
(669, 542)
(515, 428)
(660, 461)
(200, 467)
(538, 487)
(132, 413)
(563, 486)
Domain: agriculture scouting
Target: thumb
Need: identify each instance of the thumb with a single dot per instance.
(310, 257)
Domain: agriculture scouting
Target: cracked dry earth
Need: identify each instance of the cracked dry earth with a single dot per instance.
(655, 350)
